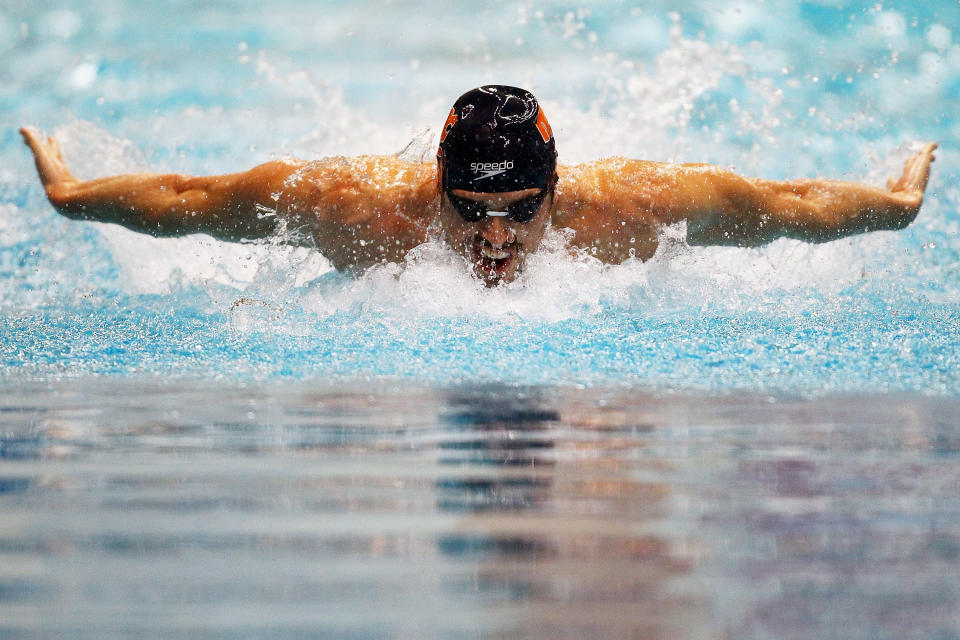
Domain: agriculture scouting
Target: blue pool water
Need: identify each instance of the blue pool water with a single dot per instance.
(200, 439)
(782, 90)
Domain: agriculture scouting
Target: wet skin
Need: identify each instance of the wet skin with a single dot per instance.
(495, 246)
(367, 210)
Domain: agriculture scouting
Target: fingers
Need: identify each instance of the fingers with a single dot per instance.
(916, 170)
(39, 145)
(921, 167)
(36, 141)
(54, 145)
(30, 137)
(925, 156)
(46, 153)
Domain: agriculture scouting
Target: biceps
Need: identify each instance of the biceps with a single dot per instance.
(697, 195)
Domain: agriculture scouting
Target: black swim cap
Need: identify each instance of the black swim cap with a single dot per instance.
(496, 139)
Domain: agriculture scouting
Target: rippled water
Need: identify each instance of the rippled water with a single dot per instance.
(203, 510)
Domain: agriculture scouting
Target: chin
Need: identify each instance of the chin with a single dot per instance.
(492, 277)
(496, 271)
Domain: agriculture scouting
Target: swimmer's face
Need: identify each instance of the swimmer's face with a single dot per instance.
(496, 246)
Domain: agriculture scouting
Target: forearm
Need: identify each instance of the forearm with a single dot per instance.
(750, 212)
(229, 207)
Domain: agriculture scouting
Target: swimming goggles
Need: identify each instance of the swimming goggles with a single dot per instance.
(521, 211)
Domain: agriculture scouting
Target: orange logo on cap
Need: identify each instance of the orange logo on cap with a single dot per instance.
(448, 125)
(542, 126)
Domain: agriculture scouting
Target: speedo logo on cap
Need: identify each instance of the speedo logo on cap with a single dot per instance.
(490, 169)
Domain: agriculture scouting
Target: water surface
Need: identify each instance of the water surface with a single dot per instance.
(214, 510)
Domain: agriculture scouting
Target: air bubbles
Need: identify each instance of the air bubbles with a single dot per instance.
(939, 37)
(83, 76)
(60, 24)
(522, 17)
(953, 58)
(891, 24)
(7, 31)
(931, 64)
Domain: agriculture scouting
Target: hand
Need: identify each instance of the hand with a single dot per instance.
(46, 153)
(916, 173)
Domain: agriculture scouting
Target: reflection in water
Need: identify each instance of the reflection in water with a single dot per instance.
(221, 511)
(488, 430)
(558, 537)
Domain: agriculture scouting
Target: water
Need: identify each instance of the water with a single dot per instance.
(780, 90)
(208, 440)
(222, 511)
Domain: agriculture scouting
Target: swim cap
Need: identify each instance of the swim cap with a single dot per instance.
(496, 139)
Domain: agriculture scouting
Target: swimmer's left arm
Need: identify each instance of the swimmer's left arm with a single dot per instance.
(722, 208)
(615, 206)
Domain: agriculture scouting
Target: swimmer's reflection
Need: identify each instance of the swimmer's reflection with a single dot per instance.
(488, 431)
(554, 532)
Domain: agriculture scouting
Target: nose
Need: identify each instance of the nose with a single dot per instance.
(496, 232)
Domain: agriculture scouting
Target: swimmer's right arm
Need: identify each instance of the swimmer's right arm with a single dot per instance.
(357, 211)
(228, 207)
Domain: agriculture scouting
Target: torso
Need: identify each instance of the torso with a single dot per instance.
(351, 205)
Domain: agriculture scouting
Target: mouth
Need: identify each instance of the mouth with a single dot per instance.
(492, 263)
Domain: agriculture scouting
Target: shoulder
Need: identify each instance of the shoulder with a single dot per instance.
(613, 186)
(383, 192)
(632, 189)
(368, 176)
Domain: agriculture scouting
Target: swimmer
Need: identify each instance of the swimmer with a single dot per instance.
(493, 192)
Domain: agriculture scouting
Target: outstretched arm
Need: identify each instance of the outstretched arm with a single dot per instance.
(754, 211)
(356, 211)
(230, 207)
(615, 206)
